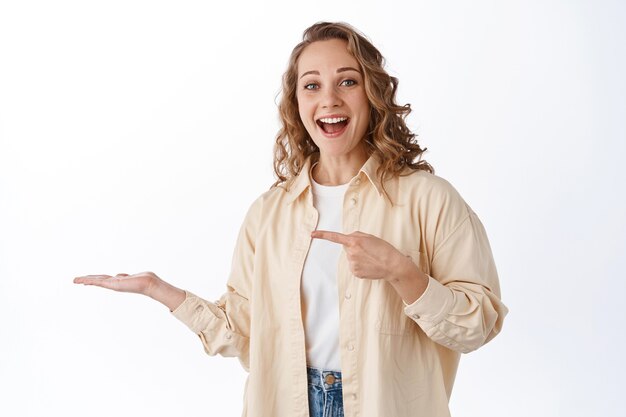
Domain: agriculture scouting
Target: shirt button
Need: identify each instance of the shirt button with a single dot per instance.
(348, 295)
(353, 200)
(199, 308)
(415, 316)
(350, 348)
(357, 181)
(228, 336)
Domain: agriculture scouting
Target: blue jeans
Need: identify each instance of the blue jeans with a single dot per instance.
(325, 395)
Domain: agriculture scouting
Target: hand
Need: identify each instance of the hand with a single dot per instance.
(146, 283)
(141, 283)
(369, 257)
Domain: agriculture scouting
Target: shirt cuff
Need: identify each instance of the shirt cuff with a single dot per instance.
(433, 305)
(189, 312)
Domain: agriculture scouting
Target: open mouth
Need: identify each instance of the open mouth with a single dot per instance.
(333, 126)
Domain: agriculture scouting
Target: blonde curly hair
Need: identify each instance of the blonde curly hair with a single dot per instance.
(387, 137)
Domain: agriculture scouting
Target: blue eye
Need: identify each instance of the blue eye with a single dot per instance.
(348, 83)
(310, 86)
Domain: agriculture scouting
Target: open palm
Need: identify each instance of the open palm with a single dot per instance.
(140, 283)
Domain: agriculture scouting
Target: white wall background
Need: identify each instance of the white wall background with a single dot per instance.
(135, 134)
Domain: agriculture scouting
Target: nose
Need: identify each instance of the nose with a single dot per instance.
(330, 98)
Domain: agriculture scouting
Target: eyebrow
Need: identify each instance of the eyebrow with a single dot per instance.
(342, 69)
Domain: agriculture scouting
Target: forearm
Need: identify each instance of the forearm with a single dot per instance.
(166, 294)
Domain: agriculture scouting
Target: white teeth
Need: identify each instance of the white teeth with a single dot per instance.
(333, 119)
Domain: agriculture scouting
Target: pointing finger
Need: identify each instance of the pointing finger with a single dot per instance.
(331, 236)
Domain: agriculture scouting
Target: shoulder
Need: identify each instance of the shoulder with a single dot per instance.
(436, 204)
(276, 196)
(425, 180)
(268, 202)
(432, 192)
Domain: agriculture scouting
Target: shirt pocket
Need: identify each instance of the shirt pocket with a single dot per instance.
(391, 317)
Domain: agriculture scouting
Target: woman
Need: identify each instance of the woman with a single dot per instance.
(360, 277)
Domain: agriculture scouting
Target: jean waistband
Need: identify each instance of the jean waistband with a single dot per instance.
(322, 378)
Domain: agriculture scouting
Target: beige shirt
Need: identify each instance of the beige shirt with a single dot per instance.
(396, 360)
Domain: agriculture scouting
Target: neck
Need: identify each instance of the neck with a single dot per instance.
(338, 170)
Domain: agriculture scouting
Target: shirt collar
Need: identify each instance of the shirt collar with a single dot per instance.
(302, 181)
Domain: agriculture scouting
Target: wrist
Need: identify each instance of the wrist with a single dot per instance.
(403, 270)
(408, 280)
(166, 294)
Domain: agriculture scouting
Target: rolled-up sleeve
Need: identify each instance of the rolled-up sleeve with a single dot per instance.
(224, 326)
(461, 307)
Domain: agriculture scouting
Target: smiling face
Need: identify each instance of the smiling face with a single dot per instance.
(332, 102)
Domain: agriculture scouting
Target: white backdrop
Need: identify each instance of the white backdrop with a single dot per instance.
(135, 134)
